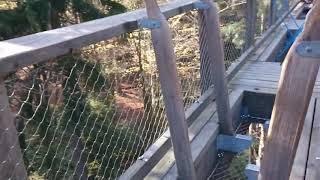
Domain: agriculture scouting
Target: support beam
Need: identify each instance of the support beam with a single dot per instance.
(251, 19)
(166, 63)
(294, 93)
(273, 10)
(11, 159)
(211, 49)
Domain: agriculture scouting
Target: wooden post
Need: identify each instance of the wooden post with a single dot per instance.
(211, 47)
(11, 161)
(273, 11)
(296, 85)
(251, 19)
(170, 85)
(206, 72)
(277, 9)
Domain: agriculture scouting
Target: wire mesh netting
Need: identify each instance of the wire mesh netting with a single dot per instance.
(232, 166)
(89, 114)
(185, 33)
(233, 27)
(92, 113)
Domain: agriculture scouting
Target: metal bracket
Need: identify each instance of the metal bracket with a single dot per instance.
(149, 23)
(310, 49)
(201, 5)
(252, 171)
(235, 144)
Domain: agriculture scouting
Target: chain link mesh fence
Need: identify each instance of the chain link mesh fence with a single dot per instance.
(92, 113)
(233, 27)
(89, 114)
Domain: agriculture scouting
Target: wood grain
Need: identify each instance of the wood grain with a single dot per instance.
(296, 84)
(301, 158)
(11, 161)
(211, 32)
(43, 46)
(171, 90)
(313, 165)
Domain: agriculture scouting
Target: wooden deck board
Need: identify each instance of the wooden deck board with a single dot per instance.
(300, 161)
(263, 77)
(257, 74)
(313, 166)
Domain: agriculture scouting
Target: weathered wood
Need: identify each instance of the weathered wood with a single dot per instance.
(201, 145)
(11, 159)
(235, 67)
(206, 73)
(313, 164)
(166, 63)
(251, 18)
(167, 161)
(301, 158)
(294, 93)
(211, 34)
(157, 150)
(43, 46)
(276, 45)
(277, 8)
(166, 166)
(273, 12)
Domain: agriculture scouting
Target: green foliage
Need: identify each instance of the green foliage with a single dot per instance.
(32, 16)
(86, 116)
(86, 10)
(234, 33)
(87, 113)
(12, 22)
(238, 165)
(113, 7)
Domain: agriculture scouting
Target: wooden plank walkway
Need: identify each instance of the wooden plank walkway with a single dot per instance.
(313, 164)
(263, 77)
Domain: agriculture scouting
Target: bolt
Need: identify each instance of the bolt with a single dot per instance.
(308, 49)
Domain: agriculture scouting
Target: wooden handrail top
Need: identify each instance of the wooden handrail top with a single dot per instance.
(39, 47)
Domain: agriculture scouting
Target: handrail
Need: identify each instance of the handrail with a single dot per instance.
(40, 47)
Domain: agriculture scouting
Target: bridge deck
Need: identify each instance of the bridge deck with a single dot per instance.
(254, 72)
(263, 77)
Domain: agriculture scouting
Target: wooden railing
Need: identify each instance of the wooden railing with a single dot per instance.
(43, 46)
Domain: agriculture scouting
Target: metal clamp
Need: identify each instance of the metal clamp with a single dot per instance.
(310, 49)
(201, 5)
(252, 171)
(149, 23)
(235, 144)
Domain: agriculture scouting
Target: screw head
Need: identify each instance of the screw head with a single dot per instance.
(308, 49)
